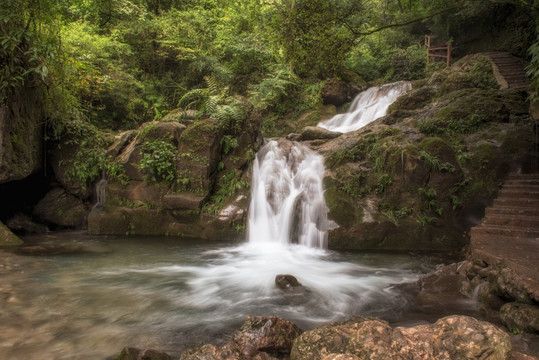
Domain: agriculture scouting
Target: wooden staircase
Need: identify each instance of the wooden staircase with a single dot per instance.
(509, 233)
(509, 70)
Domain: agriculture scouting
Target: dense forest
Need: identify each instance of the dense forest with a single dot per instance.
(115, 64)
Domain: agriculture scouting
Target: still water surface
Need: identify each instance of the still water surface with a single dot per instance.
(74, 296)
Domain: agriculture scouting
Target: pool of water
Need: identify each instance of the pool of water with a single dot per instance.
(71, 295)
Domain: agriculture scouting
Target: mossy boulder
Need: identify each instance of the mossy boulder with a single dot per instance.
(7, 238)
(199, 154)
(21, 134)
(139, 221)
(62, 209)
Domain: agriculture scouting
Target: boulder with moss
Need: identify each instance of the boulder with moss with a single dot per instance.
(62, 210)
(7, 238)
(21, 134)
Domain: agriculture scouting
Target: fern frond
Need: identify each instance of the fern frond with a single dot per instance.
(210, 106)
(193, 98)
(213, 84)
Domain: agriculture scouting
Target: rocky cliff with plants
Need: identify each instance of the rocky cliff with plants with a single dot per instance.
(420, 177)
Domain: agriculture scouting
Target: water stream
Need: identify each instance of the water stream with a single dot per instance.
(368, 106)
(75, 296)
(71, 295)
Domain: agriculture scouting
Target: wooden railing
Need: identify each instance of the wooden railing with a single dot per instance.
(443, 51)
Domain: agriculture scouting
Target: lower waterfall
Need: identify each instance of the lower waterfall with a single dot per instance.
(287, 196)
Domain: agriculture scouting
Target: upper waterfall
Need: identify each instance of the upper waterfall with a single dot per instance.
(368, 106)
(287, 196)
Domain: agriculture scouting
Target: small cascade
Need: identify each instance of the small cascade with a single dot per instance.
(368, 106)
(101, 191)
(287, 196)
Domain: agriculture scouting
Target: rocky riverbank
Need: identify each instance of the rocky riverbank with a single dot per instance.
(272, 338)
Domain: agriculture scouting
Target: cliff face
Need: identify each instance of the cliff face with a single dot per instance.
(420, 177)
(21, 134)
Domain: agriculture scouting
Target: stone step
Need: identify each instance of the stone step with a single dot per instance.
(529, 181)
(524, 176)
(520, 221)
(511, 211)
(521, 187)
(508, 202)
(516, 193)
(504, 231)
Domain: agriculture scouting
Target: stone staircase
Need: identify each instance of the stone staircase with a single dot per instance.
(509, 71)
(509, 233)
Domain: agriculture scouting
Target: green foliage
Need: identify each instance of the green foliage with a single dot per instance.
(158, 161)
(434, 162)
(214, 101)
(430, 202)
(228, 184)
(384, 181)
(273, 89)
(89, 162)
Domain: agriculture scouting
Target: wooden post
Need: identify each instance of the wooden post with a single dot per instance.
(448, 55)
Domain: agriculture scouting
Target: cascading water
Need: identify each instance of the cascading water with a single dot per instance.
(368, 106)
(288, 180)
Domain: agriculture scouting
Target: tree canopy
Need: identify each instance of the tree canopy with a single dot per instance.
(118, 63)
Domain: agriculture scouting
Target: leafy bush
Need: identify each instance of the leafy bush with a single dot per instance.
(158, 161)
(89, 161)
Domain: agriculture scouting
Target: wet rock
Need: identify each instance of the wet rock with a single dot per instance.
(62, 209)
(266, 333)
(182, 201)
(317, 133)
(21, 223)
(129, 353)
(7, 238)
(511, 286)
(453, 337)
(293, 137)
(139, 221)
(522, 317)
(210, 352)
(286, 282)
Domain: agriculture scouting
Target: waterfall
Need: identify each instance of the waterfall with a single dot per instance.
(368, 106)
(101, 191)
(287, 196)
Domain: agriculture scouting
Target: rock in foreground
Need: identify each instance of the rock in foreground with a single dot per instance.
(452, 337)
(258, 337)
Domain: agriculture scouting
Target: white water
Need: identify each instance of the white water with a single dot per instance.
(287, 181)
(368, 106)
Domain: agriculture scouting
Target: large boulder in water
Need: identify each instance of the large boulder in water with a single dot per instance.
(453, 337)
(286, 282)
